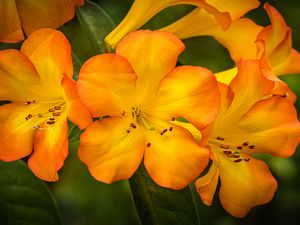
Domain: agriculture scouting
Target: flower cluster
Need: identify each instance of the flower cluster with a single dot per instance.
(138, 97)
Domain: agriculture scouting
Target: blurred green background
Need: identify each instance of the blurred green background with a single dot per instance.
(85, 201)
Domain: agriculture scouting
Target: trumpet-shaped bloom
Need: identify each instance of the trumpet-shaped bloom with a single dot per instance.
(250, 121)
(209, 13)
(37, 81)
(142, 92)
(30, 15)
(272, 44)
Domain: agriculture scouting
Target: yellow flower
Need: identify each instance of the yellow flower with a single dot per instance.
(37, 81)
(30, 15)
(142, 92)
(250, 121)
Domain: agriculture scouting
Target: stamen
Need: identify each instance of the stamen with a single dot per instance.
(227, 152)
(237, 160)
(57, 108)
(246, 143)
(148, 145)
(252, 146)
(133, 125)
(173, 118)
(233, 156)
(239, 147)
(247, 159)
(50, 122)
(224, 146)
(51, 110)
(56, 114)
(28, 117)
(123, 113)
(171, 128)
(128, 131)
(51, 119)
(220, 138)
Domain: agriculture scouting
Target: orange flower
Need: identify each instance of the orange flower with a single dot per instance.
(209, 12)
(142, 92)
(250, 121)
(37, 81)
(272, 44)
(31, 15)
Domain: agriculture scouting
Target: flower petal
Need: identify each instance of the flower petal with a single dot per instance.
(143, 10)
(50, 150)
(50, 52)
(174, 159)
(109, 151)
(11, 30)
(245, 185)
(206, 186)
(77, 112)
(16, 132)
(41, 14)
(106, 85)
(272, 125)
(152, 55)
(290, 65)
(226, 76)
(189, 92)
(19, 80)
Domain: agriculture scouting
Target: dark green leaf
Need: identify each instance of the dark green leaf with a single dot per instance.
(25, 199)
(76, 64)
(96, 23)
(161, 206)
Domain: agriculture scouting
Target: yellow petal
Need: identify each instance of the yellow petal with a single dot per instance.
(189, 92)
(44, 14)
(11, 30)
(206, 186)
(174, 159)
(290, 65)
(109, 151)
(50, 52)
(76, 110)
(244, 185)
(143, 10)
(152, 55)
(106, 85)
(50, 150)
(226, 76)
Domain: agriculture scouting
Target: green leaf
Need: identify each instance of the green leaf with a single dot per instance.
(96, 23)
(24, 199)
(161, 206)
(76, 64)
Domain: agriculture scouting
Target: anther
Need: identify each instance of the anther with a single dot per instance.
(224, 146)
(252, 146)
(56, 114)
(50, 122)
(148, 145)
(36, 127)
(128, 131)
(227, 152)
(57, 108)
(51, 110)
(165, 130)
(133, 125)
(123, 113)
(51, 119)
(28, 116)
(173, 118)
(220, 138)
(247, 159)
(233, 156)
(237, 160)
(245, 143)
(27, 103)
(239, 147)
(171, 128)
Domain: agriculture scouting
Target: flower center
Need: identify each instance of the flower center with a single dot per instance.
(47, 114)
(230, 150)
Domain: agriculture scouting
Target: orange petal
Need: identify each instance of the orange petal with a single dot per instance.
(42, 14)
(79, 3)
(19, 80)
(189, 92)
(272, 126)
(50, 52)
(77, 112)
(50, 150)
(174, 159)
(106, 85)
(16, 132)
(244, 185)
(226, 76)
(249, 86)
(109, 151)
(143, 10)
(206, 186)
(11, 30)
(152, 55)
(290, 65)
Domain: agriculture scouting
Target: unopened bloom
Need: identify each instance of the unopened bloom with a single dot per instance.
(37, 82)
(251, 121)
(142, 92)
(30, 15)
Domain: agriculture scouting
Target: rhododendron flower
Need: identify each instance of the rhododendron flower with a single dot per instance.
(250, 121)
(37, 81)
(210, 11)
(30, 15)
(142, 92)
(272, 44)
